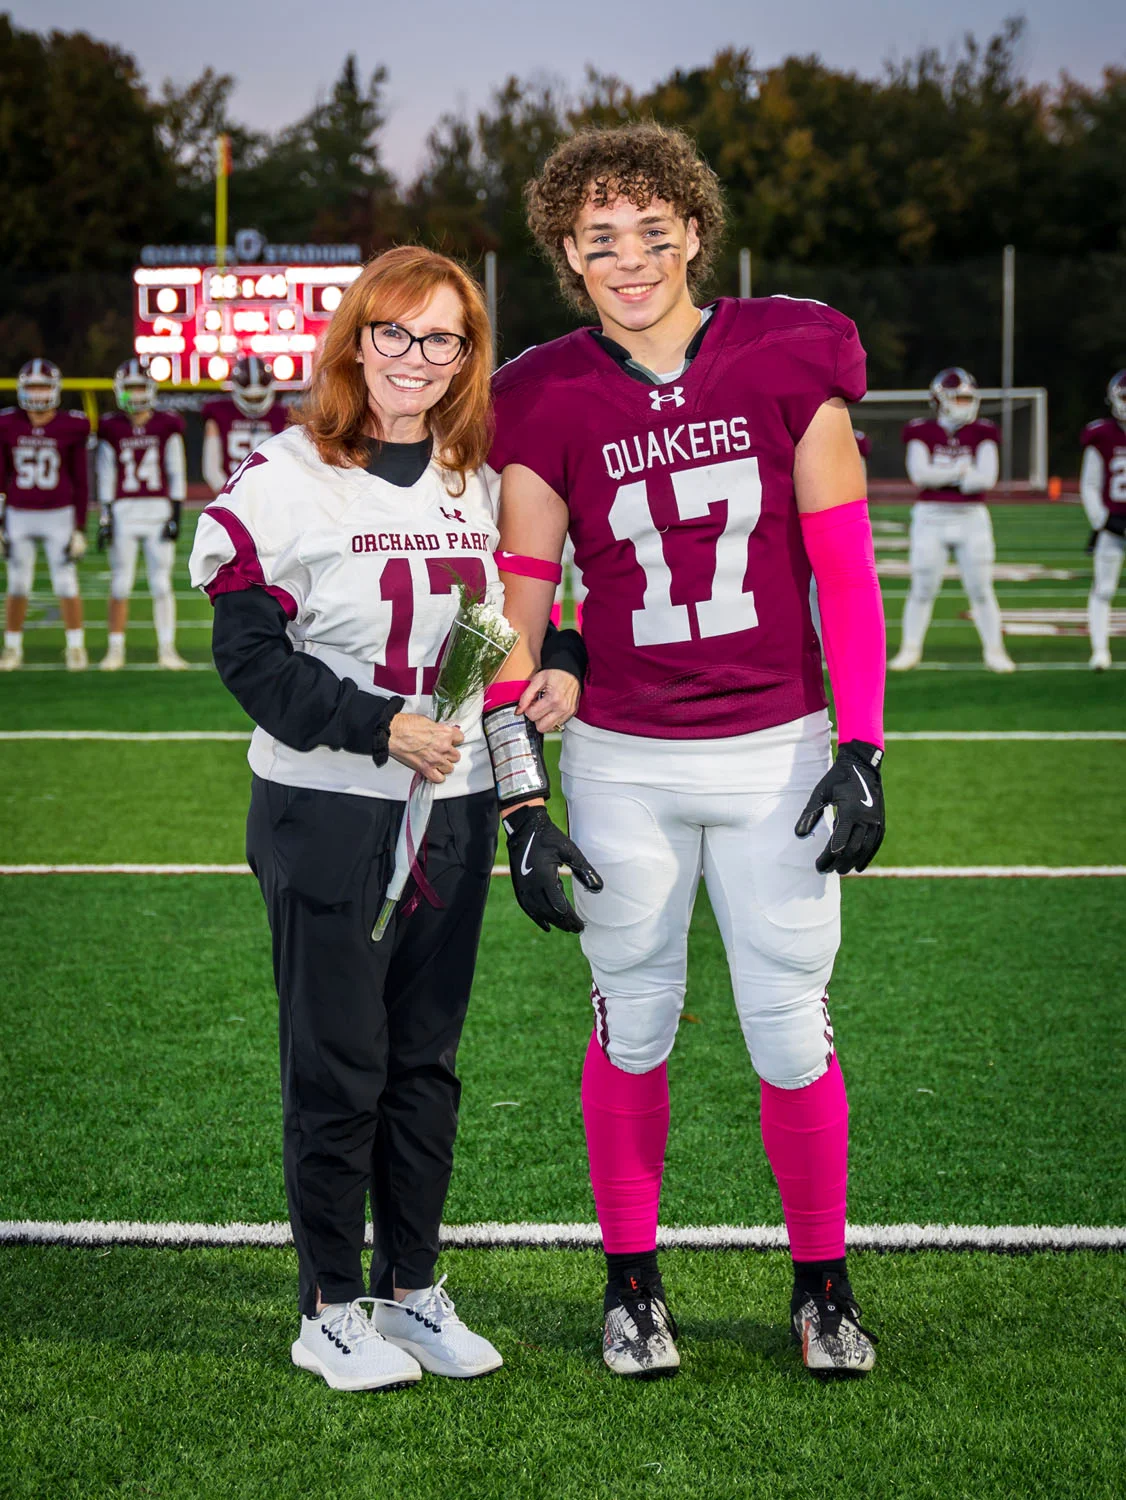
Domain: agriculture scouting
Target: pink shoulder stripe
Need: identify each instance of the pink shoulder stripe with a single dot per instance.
(244, 571)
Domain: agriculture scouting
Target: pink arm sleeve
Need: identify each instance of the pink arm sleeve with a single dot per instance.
(838, 543)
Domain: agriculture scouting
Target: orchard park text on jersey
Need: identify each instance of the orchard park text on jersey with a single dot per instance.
(419, 541)
(663, 446)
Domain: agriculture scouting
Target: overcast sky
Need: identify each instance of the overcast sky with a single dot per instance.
(448, 54)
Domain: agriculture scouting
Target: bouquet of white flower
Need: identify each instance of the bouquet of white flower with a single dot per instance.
(476, 648)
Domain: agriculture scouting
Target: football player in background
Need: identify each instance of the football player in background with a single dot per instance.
(952, 460)
(864, 448)
(570, 583)
(44, 476)
(702, 460)
(234, 425)
(142, 479)
(1102, 489)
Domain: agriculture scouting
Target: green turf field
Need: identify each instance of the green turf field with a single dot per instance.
(980, 1026)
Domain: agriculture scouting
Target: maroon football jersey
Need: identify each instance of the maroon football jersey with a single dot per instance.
(1110, 439)
(863, 442)
(682, 513)
(143, 468)
(942, 444)
(45, 468)
(240, 435)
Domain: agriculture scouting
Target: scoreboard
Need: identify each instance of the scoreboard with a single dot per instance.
(193, 322)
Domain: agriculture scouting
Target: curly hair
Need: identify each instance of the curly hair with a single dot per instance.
(336, 411)
(639, 162)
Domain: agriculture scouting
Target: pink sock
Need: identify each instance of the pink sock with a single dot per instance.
(627, 1124)
(805, 1133)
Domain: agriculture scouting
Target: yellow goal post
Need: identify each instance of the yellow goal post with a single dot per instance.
(89, 388)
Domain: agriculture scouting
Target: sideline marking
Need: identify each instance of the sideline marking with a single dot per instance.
(1003, 1238)
(887, 872)
(157, 736)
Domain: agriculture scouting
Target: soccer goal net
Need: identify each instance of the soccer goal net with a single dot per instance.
(1021, 414)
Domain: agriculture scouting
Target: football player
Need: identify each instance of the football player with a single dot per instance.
(44, 475)
(1102, 488)
(142, 480)
(234, 425)
(952, 461)
(702, 460)
(863, 447)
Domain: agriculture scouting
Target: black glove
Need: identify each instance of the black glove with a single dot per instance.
(171, 530)
(536, 849)
(1091, 541)
(564, 651)
(105, 529)
(852, 786)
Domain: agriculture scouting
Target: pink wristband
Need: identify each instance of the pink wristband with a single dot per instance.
(838, 543)
(529, 567)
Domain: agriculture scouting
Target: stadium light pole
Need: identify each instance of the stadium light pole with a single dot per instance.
(744, 272)
(491, 295)
(1008, 320)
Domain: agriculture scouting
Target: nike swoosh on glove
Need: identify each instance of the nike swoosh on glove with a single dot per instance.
(852, 787)
(536, 849)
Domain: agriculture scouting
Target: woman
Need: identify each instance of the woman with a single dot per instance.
(331, 558)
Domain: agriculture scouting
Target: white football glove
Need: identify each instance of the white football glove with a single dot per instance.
(76, 547)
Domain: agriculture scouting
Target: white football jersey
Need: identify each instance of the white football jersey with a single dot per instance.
(365, 571)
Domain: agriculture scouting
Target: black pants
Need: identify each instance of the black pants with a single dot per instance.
(369, 1031)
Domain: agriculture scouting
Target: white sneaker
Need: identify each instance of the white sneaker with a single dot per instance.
(170, 659)
(342, 1345)
(113, 660)
(425, 1324)
(76, 659)
(1000, 661)
(905, 660)
(11, 659)
(1100, 661)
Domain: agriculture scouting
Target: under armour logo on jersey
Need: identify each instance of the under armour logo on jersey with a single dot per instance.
(452, 515)
(658, 398)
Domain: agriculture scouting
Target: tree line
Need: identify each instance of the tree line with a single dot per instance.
(888, 196)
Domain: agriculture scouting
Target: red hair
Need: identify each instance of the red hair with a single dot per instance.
(337, 413)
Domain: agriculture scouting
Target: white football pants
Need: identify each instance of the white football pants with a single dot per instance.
(138, 524)
(1109, 552)
(937, 529)
(27, 528)
(726, 810)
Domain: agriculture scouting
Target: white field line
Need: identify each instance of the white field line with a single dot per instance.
(139, 736)
(885, 872)
(925, 666)
(139, 666)
(239, 736)
(1003, 1238)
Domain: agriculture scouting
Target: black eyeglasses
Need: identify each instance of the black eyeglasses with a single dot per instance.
(390, 340)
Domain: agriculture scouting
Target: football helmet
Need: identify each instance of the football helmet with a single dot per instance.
(954, 396)
(252, 386)
(39, 385)
(134, 389)
(1116, 397)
